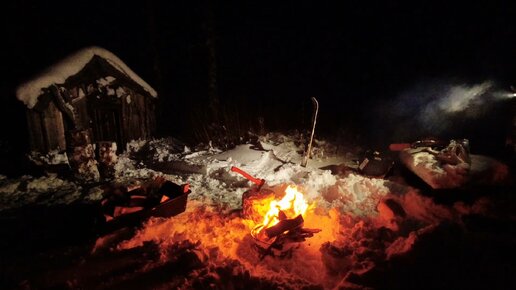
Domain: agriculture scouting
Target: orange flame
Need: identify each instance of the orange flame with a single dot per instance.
(292, 205)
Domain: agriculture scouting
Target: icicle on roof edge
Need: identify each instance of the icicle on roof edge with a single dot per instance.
(29, 92)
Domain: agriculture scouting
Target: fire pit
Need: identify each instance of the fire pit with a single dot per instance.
(276, 216)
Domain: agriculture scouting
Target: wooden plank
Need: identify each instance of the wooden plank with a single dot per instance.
(36, 139)
(142, 115)
(60, 131)
(54, 128)
(81, 108)
(151, 113)
(138, 121)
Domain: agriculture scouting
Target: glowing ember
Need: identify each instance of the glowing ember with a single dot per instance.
(290, 206)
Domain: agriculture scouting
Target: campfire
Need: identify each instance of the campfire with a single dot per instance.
(281, 229)
(290, 208)
(276, 219)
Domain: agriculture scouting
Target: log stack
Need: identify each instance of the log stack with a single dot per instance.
(82, 156)
(107, 159)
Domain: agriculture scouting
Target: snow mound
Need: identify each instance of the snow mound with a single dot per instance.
(356, 194)
(45, 190)
(54, 157)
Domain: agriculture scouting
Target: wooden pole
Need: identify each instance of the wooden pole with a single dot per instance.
(314, 120)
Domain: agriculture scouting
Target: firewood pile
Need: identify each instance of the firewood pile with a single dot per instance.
(127, 205)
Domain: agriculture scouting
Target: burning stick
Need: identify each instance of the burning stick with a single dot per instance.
(314, 120)
(282, 238)
(284, 225)
(278, 223)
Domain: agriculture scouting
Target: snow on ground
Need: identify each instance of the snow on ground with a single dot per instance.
(44, 190)
(346, 210)
(358, 222)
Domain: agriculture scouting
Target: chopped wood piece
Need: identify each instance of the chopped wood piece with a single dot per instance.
(282, 216)
(121, 210)
(284, 225)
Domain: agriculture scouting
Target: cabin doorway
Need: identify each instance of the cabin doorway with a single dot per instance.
(106, 125)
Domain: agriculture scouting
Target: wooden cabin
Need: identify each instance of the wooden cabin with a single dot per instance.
(91, 90)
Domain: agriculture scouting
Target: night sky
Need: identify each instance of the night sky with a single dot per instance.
(271, 57)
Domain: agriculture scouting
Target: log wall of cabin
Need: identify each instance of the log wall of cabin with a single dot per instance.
(150, 109)
(138, 116)
(46, 129)
(36, 138)
(133, 119)
(106, 118)
(54, 127)
(133, 113)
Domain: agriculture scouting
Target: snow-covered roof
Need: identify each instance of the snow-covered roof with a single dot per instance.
(29, 92)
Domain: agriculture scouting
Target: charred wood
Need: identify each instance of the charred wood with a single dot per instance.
(284, 225)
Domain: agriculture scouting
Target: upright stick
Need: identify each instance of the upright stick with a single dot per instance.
(314, 120)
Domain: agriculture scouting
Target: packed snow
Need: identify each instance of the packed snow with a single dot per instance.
(45, 190)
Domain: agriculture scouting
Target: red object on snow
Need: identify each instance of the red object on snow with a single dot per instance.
(399, 146)
(248, 176)
(186, 187)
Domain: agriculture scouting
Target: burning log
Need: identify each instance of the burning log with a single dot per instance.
(284, 226)
(284, 243)
(277, 234)
(274, 229)
(296, 235)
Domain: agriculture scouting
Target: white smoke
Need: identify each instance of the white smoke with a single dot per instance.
(460, 97)
(444, 103)
(440, 107)
(505, 95)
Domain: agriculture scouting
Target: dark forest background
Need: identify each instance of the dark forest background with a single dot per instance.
(235, 62)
